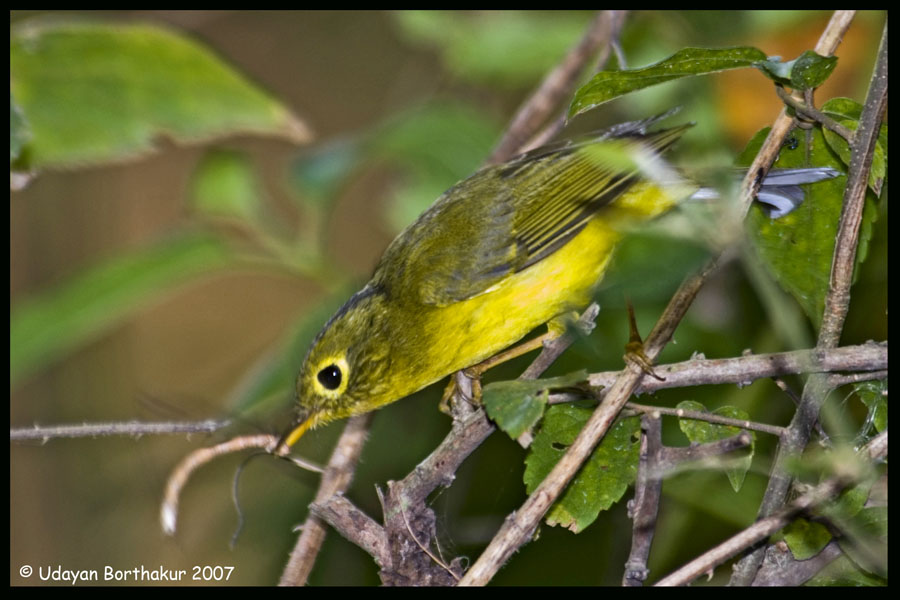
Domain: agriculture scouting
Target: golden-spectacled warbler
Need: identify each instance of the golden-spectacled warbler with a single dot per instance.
(498, 254)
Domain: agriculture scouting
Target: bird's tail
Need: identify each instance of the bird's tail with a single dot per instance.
(781, 191)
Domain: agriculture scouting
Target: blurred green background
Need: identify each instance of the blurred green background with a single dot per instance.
(402, 106)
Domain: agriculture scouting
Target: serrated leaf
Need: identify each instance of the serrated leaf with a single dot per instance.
(19, 133)
(47, 326)
(872, 394)
(607, 85)
(806, 538)
(602, 480)
(225, 184)
(702, 432)
(96, 92)
(797, 248)
(516, 406)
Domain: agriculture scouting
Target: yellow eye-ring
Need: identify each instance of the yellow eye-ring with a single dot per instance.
(331, 377)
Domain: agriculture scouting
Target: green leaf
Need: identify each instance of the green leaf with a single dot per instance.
(842, 572)
(806, 538)
(607, 85)
(845, 108)
(797, 248)
(225, 184)
(602, 480)
(97, 92)
(842, 149)
(516, 406)
(874, 395)
(19, 132)
(506, 48)
(45, 327)
(807, 71)
(865, 539)
(702, 432)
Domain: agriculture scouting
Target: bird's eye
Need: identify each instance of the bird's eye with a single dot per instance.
(330, 377)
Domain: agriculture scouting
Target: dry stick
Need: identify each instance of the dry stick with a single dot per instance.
(336, 479)
(871, 356)
(780, 568)
(129, 428)
(655, 462)
(836, 302)
(356, 526)
(762, 529)
(645, 506)
(696, 415)
(557, 85)
(168, 514)
(519, 526)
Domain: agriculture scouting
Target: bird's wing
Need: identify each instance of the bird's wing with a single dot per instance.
(508, 217)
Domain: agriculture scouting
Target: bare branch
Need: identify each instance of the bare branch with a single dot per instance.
(168, 514)
(762, 529)
(129, 428)
(336, 480)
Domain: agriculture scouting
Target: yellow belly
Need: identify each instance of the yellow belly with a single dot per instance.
(470, 331)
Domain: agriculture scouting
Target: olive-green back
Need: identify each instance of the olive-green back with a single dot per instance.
(507, 217)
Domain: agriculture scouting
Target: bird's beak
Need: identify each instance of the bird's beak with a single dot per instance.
(291, 437)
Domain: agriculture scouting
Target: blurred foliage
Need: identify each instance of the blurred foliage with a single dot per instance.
(495, 48)
(117, 88)
(97, 92)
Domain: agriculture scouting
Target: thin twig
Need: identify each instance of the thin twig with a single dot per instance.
(168, 514)
(645, 506)
(745, 369)
(813, 113)
(762, 529)
(355, 525)
(128, 428)
(707, 417)
(336, 479)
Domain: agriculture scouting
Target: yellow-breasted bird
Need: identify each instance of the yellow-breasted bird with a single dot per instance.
(500, 253)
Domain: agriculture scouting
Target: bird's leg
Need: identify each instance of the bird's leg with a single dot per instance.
(476, 371)
(634, 349)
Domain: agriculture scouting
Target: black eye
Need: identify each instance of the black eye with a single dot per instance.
(330, 377)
